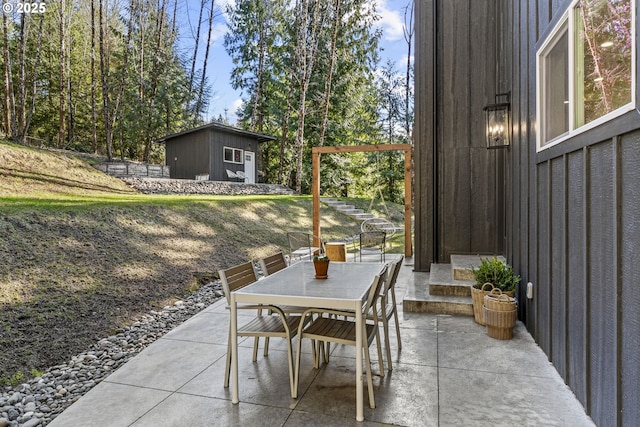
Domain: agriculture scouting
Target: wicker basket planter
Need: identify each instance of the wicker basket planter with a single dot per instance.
(499, 323)
(477, 296)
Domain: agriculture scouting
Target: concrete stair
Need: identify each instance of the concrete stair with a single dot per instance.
(448, 290)
(346, 209)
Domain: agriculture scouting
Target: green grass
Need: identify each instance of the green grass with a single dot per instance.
(84, 255)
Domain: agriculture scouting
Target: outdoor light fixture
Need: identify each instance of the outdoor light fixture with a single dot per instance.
(497, 122)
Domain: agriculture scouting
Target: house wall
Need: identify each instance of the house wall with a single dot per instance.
(201, 152)
(460, 193)
(572, 212)
(574, 232)
(188, 155)
(218, 141)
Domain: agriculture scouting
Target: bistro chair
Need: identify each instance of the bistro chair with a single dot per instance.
(371, 243)
(327, 327)
(387, 307)
(263, 325)
(301, 245)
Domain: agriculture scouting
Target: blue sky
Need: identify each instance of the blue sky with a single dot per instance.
(219, 64)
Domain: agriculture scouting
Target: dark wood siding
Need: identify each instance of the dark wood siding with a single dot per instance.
(219, 140)
(187, 155)
(572, 218)
(459, 52)
(629, 274)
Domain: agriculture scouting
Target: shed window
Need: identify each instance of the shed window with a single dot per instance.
(233, 155)
(586, 69)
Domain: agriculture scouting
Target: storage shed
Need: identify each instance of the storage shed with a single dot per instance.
(213, 152)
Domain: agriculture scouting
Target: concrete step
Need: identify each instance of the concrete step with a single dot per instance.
(352, 211)
(441, 282)
(328, 200)
(362, 216)
(418, 300)
(462, 265)
(343, 208)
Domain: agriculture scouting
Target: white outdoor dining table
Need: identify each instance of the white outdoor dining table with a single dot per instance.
(346, 288)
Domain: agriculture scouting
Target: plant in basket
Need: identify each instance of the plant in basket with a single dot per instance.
(498, 273)
(492, 273)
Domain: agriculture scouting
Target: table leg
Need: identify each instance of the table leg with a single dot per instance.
(234, 349)
(359, 382)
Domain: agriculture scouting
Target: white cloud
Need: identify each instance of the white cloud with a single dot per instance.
(218, 31)
(391, 21)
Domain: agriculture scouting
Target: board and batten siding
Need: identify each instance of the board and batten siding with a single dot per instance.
(572, 211)
(576, 237)
(459, 192)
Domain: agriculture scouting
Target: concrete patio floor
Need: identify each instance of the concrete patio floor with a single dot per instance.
(448, 373)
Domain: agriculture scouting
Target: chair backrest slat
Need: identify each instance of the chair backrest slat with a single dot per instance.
(374, 292)
(392, 274)
(273, 263)
(237, 277)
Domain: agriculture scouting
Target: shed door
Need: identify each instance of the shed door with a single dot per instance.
(249, 167)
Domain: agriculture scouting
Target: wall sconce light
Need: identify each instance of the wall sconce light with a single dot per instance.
(497, 122)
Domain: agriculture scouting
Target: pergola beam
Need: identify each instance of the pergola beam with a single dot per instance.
(315, 183)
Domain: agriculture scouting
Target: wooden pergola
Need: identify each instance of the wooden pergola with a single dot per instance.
(315, 183)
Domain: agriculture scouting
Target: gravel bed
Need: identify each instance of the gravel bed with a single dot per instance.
(188, 186)
(38, 401)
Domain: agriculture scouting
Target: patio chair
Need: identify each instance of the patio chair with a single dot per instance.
(272, 263)
(326, 326)
(371, 243)
(263, 325)
(231, 174)
(301, 245)
(387, 307)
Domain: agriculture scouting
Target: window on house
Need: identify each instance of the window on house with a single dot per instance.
(233, 155)
(586, 72)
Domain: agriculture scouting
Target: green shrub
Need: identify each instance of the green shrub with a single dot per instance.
(496, 272)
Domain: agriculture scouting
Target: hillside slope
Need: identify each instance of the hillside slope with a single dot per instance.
(81, 254)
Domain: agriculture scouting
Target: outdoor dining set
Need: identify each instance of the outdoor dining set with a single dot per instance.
(345, 308)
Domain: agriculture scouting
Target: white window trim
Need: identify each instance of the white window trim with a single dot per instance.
(540, 81)
(234, 149)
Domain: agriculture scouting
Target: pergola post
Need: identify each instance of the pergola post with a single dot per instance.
(315, 191)
(315, 183)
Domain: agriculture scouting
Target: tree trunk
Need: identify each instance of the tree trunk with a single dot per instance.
(9, 118)
(195, 49)
(94, 116)
(22, 86)
(408, 36)
(104, 66)
(154, 82)
(337, 19)
(62, 78)
(34, 75)
(200, 102)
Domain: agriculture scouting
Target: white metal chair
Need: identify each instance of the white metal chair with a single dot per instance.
(387, 307)
(231, 174)
(326, 327)
(267, 325)
(371, 243)
(301, 245)
(379, 224)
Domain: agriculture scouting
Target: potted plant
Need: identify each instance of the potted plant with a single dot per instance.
(321, 265)
(492, 273)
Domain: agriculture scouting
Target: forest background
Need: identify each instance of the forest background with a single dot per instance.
(112, 76)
